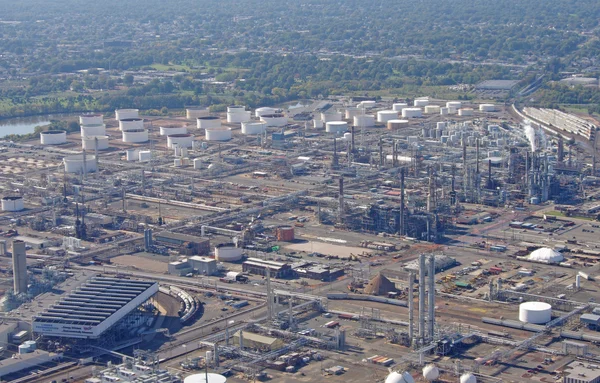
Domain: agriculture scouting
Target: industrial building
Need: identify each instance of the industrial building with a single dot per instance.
(186, 244)
(581, 372)
(256, 341)
(259, 267)
(195, 264)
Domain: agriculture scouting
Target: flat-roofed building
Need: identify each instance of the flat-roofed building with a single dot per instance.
(257, 341)
(186, 244)
(259, 266)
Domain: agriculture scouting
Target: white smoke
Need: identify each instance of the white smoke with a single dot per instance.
(530, 134)
(543, 139)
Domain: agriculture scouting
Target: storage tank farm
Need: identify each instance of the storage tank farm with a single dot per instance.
(53, 137)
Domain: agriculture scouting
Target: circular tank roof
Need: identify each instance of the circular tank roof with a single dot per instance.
(134, 131)
(53, 132)
(535, 306)
(91, 115)
(202, 378)
(131, 119)
(13, 198)
(273, 115)
(180, 135)
(546, 254)
(208, 118)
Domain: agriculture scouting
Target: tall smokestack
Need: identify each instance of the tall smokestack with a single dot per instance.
(19, 259)
(411, 298)
(402, 224)
(431, 302)
(422, 285)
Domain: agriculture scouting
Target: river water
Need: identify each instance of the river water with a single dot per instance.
(25, 125)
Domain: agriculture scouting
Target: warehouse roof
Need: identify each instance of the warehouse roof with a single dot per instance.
(266, 340)
(179, 237)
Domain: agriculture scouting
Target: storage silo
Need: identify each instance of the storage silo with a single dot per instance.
(228, 252)
(336, 127)
(93, 130)
(535, 312)
(208, 122)
(386, 115)
(53, 137)
(259, 112)
(91, 119)
(183, 140)
(397, 124)
(13, 203)
(237, 114)
(132, 155)
(122, 114)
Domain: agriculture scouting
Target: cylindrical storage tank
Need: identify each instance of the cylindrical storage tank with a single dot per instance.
(432, 109)
(348, 136)
(421, 102)
(197, 163)
(443, 111)
(535, 312)
(440, 125)
(487, 108)
(12, 204)
(265, 110)
(431, 372)
(468, 378)
(465, 112)
(364, 121)
(202, 378)
(76, 164)
(318, 124)
(274, 120)
(386, 115)
(128, 124)
(93, 130)
(228, 252)
(185, 161)
(91, 119)
(122, 114)
(169, 130)
(183, 140)
(89, 142)
(135, 136)
(452, 110)
(253, 127)
(132, 155)
(367, 104)
(352, 112)
(331, 116)
(218, 134)
(208, 122)
(285, 233)
(53, 137)
(397, 124)
(177, 162)
(336, 127)
(399, 106)
(145, 155)
(237, 114)
(454, 104)
(412, 112)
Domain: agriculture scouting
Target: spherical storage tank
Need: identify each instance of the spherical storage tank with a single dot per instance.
(386, 115)
(487, 108)
(397, 377)
(265, 110)
(90, 142)
(169, 130)
(93, 130)
(135, 136)
(468, 378)
(77, 164)
(399, 106)
(205, 378)
(421, 102)
(364, 121)
(208, 122)
(431, 372)
(237, 114)
(183, 140)
(53, 137)
(228, 252)
(331, 116)
(218, 134)
(336, 127)
(131, 124)
(535, 312)
(397, 124)
(253, 127)
(12, 204)
(122, 114)
(412, 112)
(274, 120)
(91, 119)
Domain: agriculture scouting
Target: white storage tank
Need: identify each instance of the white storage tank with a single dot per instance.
(91, 119)
(93, 130)
(386, 115)
(90, 142)
(535, 312)
(183, 140)
(131, 124)
(276, 120)
(465, 112)
(135, 136)
(169, 130)
(454, 104)
(432, 109)
(468, 378)
(13, 203)
(336, 127)
(369, 104)
(202, 378)
(177, 162)
(53, 137)
(399, 106)
(237, 114)
(431, 372)
(443, 111)
(122, 114)
(228, 252)
(145, 155)
(412, 112)
(331, 116)
(440, 125)
(364, 121)
(421, 102)
(487, 108)
(318, 124)
(266, 110)
(348, 136)
(132, 155)
(397, 124)
(197, 163)
(76, 163)
(208, 122)
(253, 127)
(352, 112)
(218, 134)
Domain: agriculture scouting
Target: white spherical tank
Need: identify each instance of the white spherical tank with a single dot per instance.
(535, 312)
(183, 140)
(412, 112)
(131, 124)
(454, 104)
(132, 155)
(364, 121)
(399, 106)
(135, 136)
(465, 112)
(253, 127)
(331, 116)
(420, 102)
(12, 204)
(228, 253)
(77, 164)
(145, 155)
(218, 134)
(93, 130)
(431, 372)
(122, 114)
(90, 142)
(237, 114)
(352, 112)
(53, 137)
(205, 378)
(397, 124)
(487, 108)
(432, 109)
(265, 110)
(91, 119)
(368, 104)
(169, 130)
(274, 120)
(468, 378)
(386, 115)
(336, 127)
(208, 122)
